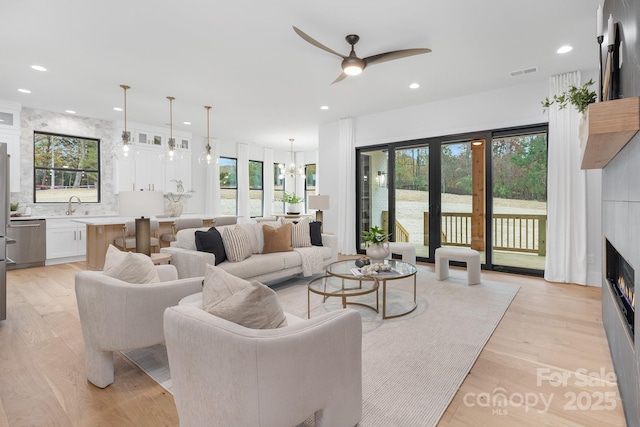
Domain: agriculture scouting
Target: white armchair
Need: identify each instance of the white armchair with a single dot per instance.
(224, 374)
(115, 315)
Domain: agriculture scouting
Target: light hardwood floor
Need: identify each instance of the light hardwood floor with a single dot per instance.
(550, 327)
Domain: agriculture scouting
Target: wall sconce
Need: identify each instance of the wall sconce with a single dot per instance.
(381, 179)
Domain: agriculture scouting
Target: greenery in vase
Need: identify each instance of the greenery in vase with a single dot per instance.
(578, 96)
(180, 192)
(291, 198)
(375, 236)
(14, 206)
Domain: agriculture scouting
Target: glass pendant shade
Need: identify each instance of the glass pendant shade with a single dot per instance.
(205, 159)
(171, 154)
(124, 150)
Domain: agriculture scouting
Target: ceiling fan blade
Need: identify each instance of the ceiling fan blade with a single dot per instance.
(340, 78)
(314, 42)
(396, 54)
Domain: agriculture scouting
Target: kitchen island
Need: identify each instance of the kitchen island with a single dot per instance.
(101, 232)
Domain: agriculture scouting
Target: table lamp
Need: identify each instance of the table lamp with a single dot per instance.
(142, 205)
(318, 203)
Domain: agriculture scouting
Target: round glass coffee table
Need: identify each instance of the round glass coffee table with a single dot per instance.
(340, 281)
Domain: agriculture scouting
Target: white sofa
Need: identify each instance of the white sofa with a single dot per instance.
(224, 374)
(261, 267)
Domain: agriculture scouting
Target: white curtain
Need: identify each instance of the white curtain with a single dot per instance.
(242, 170)
(347, 188)
(566, 198)
(267, 185)
(212, 183)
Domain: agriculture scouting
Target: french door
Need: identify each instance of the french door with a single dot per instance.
(485, 191)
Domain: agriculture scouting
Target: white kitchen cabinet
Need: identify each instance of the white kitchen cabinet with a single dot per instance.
(147, 170)
(10, 134)
(66, 241)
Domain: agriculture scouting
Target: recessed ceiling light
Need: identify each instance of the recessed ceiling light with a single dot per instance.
(414, 85)
(565, 49)
(69, 111)
(117, 108)
(24, 90)
(38, 68)
(324, 107)
(186, 123)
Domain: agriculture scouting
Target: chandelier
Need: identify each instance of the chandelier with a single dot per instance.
(171, 154)
(291, 170)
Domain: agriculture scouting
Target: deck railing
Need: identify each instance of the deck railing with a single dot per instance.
(511, 232)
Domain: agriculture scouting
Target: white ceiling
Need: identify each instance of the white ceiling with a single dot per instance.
(264, 82)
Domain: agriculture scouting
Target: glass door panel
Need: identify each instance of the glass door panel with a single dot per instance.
(520, 200)
(411, 195)
(373, 192)
(462, 183)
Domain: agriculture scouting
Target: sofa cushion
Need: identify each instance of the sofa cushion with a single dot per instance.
(211, 241)
(258, 265)
(251, 232)
(277, 239)
(185, 238)
(259, 233)
(300, 237)
(250, 304)
(315, 232)
(129, 267)
(237, 244)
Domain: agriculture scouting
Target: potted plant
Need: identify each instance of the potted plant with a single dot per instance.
(293, 203)
(376, 242)
(175, 205)
(578, 96)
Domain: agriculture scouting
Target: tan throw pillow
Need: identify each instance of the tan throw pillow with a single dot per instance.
(260, 234)
(250, 304)
(237, 244)
(129, 267)
(277, 239)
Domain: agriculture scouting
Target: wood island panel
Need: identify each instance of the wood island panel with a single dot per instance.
(100, 236)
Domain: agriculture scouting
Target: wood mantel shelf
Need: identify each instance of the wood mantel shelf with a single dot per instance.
(610, 125)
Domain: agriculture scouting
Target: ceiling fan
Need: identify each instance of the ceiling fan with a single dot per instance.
(352, 65)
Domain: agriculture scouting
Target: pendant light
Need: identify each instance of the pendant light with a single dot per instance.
(124, 150)
(206, 158)
(172, 154)
(292, 170)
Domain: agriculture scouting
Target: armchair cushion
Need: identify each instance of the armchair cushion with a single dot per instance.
(211, 241)
(250, 304)
(129, 267)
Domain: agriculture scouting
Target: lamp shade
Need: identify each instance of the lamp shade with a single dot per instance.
(318, 202)
(141, 203)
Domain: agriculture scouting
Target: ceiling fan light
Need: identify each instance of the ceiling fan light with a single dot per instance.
(352, 65)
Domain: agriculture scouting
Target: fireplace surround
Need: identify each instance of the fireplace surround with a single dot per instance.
(621, 278)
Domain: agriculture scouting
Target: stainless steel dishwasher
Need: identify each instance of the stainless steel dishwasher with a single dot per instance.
(30, 249)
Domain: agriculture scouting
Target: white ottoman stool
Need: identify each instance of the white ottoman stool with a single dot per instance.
(406, 250)
(470, 256)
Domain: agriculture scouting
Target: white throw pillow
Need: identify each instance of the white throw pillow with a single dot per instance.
(300, 234)
(237, 244)
(129, 267)
(250, 304)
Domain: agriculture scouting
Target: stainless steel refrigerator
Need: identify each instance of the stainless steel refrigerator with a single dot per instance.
(4, 222)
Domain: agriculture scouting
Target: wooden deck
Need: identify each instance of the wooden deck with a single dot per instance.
(510, 258)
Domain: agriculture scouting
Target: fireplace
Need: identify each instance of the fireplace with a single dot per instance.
(621, 276)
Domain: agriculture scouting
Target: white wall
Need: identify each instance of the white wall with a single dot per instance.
(508, 107)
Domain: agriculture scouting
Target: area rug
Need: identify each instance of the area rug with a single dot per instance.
(412, 366)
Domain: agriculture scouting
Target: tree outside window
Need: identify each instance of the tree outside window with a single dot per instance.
(256, 190)
(228, 186)
(65, 166)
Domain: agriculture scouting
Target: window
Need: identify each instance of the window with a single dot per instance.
(65, 166)
(310, 182)
(228, 186)
(256, 179)
(278, 190)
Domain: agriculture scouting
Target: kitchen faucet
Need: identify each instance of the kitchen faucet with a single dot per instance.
(70, 211)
